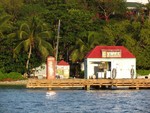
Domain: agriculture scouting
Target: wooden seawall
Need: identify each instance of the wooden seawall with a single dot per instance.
(87, 83)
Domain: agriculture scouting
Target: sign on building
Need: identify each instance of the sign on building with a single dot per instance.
(111, 53)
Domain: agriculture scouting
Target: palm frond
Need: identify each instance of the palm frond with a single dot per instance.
(4, 24)
(44, 34)
(11, 35)
(82, 48)
(25, 27)
(75, 55)
(23, 35)
(17, 49)
(4, 19)
(26, 44)
(80, 42)
(47, 45)
(43, 51)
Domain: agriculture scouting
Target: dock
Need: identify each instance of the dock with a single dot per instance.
(88, 83)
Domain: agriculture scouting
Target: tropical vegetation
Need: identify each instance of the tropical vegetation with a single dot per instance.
(12, 76)
(28, 31)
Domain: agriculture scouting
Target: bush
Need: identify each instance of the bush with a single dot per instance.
(10, 76)
(143, 72)
(81, 74)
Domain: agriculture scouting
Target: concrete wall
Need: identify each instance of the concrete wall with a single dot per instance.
(123, 66)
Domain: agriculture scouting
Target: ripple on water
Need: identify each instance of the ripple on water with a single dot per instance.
(74, 101)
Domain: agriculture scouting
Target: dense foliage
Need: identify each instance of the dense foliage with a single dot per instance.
(11, 76)
(28, 30)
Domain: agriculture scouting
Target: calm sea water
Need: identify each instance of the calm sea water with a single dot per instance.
(21, 100)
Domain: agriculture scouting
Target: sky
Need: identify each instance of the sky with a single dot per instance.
(140, 1)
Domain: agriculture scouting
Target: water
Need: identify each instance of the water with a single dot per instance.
(21, 100)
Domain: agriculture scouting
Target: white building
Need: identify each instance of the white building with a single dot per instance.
(110, 62)
(40, 71)
(138, 1)
(62, 69)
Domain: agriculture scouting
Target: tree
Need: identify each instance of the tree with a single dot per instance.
(74, 20)
(138, 42)
(144, 34)
(115, 33)
(148, 9)
(4, 28)
(28, 11)
(12, 7)
(106, 8)
(78, 18)
(144, 44)
(4, 25)
(33, 35)
(83, 45)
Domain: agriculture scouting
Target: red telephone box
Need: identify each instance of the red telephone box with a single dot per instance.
(51, 68)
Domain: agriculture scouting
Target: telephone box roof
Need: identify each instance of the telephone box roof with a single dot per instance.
(62, 62)
(97, 51)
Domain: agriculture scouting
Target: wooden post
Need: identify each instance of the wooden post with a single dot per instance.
(87, 87)
(137, 84)
(49, 89)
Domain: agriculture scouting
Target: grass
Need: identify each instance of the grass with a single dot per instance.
(143, 72)
(12, 76)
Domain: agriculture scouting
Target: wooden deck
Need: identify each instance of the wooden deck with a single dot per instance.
(87, 83)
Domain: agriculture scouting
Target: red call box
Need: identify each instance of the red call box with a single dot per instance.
(51, 68)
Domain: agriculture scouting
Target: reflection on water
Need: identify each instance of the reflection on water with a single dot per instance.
(50, 94)
(23, 100)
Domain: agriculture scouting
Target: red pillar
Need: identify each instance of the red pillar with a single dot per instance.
(51, 68)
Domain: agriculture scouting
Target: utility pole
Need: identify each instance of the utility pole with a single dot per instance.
(57, 44)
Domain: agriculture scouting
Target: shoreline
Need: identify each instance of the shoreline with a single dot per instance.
(18, 82)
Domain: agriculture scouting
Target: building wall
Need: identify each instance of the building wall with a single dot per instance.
(41, 70)
(63, 71)
(138, 1)
(122, 65)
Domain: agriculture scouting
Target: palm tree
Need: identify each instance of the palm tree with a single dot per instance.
(33, 36)
(84, 45)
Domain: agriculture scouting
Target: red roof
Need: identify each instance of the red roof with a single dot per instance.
(62, 62)
(97, 51)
